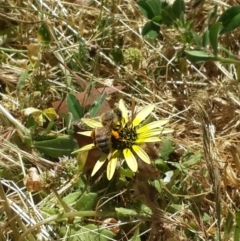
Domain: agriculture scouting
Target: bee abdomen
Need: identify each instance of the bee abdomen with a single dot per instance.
(102, 139)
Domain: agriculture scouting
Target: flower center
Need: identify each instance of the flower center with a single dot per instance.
(127, 137)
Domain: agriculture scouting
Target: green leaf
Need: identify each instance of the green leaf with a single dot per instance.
(233, 24)
(72, 197)
(228, 227)
(189, 159)
(178, 8)
(168, 17)
(97, 104)
(74, 106)
(237, 234)
(24, 75)
(135, 236)
(238, 218)
(44, 34)
(150, 30)
(58, 147)
(126, 212)
(117, 55)
(212, 15)
(157, 20)
(205, 38)
(86, 202)
(229, 14)
(213, 36)
(93, 232)
(167, 149)
(206, 218)
(50, 211)
(230, 19)
(150, 8)
(161, 165)
(197, 38)
(196, 56)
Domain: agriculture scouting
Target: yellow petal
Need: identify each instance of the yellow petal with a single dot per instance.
(85, 133)
(143, 114)
(99, 164)
(149, 134)
(51, 114)
(130, 159)
(82, 158)
(124, 110)
(152, 125)
(111, 167)
(84, 148)
(150, 139)
(92, 122)
(142, 154)
(167, 130)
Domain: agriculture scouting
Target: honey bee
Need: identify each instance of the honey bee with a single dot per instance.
(102, 136)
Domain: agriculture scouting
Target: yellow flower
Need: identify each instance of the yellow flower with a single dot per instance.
(132, 135)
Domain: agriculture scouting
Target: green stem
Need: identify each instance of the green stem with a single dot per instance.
(13, 50)
(66, 215)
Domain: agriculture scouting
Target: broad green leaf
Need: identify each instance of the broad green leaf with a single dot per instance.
(22, 79)
(196, 56)
(157, 20)
(230, 19)
(189, 158)
(229, 14)
(50, 211)
(135, 236)
(213, 36)
(97, 104)
(72, 197)
(150, 30)
(167, 149)
(178, 8)
(44, 34)
(168, 17)
(74, 106)
(177, 207)
(92, 232)
(233, 24)
(126, 212)
(87, 202)
(150, 8)
(58, 147)
(161, 165)
(117, 55)
(206, 217)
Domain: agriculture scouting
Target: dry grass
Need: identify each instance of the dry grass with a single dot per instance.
(202, 101)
